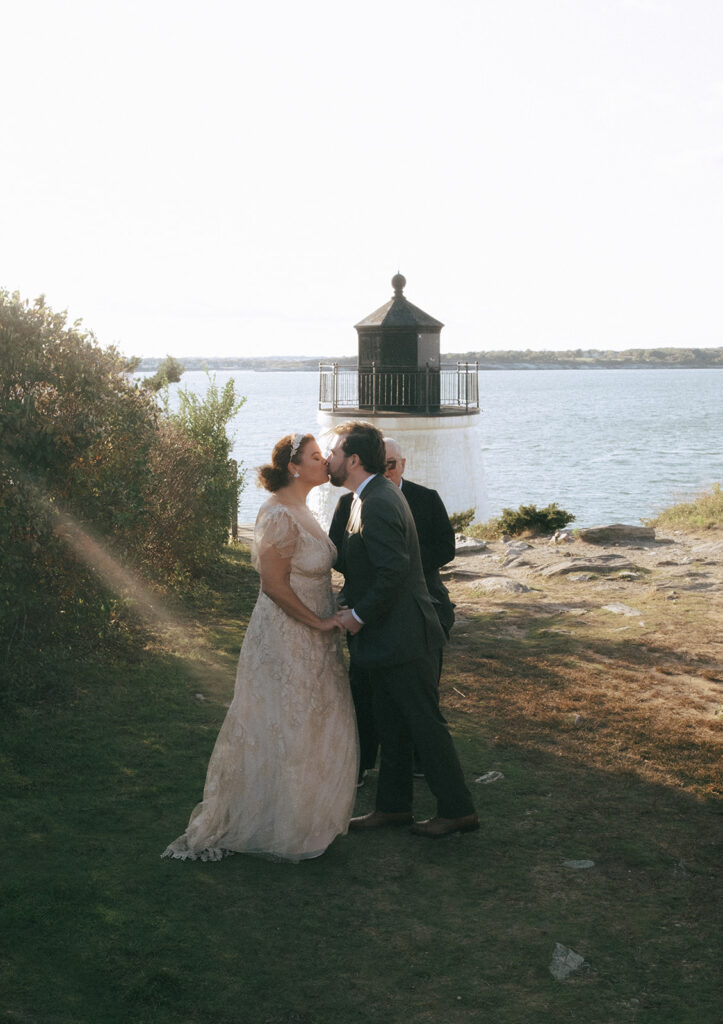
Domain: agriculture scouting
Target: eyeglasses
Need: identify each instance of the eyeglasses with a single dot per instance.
(391, 463)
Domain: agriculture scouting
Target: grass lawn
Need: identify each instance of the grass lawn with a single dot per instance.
(386, 927)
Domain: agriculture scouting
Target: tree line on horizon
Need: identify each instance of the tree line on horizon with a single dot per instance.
(633, 358)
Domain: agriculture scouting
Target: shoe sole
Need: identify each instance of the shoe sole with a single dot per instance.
(386, 824)
(451, 832)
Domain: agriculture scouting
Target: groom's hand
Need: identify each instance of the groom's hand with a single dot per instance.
(350, 624)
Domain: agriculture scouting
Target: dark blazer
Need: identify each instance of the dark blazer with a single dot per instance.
(436, 543)
(378, 554)
(435, 535)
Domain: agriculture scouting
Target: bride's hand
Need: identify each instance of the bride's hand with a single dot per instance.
(331, 623)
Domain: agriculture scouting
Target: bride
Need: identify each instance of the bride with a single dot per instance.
(282, 777)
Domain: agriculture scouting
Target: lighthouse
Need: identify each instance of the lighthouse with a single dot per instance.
(401, 387)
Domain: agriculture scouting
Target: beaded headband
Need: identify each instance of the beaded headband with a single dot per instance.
(295, 445)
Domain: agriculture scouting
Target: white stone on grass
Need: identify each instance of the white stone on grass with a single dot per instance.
(468, 545)
(620, 609)
(499, 585)
(564, 962)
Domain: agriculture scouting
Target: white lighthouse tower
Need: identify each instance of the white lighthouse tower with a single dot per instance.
(400, 386)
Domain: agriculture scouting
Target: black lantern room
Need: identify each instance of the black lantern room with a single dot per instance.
(399, 348)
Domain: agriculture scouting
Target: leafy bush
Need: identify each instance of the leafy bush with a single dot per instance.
(198, 432)
(702, 512)
(169, 372)
(461, 521)
(527, 519)
(530, 519)
(81, 443)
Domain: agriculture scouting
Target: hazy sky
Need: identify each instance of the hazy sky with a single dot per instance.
(237, 178)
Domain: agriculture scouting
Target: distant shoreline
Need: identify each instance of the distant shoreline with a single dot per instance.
(637, 359)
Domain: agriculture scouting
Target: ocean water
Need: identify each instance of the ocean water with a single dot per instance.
(606, 445)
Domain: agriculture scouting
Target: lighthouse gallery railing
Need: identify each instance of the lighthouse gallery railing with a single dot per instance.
(398, 389)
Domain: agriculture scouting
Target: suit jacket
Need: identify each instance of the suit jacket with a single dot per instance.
(435, 535)
(436, 543)
(378, 554)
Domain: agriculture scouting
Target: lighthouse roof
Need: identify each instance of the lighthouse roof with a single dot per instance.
(399, 312)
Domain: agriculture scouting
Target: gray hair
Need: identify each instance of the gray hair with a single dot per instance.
(392, 441)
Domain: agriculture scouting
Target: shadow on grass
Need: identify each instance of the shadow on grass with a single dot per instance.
(386, 927)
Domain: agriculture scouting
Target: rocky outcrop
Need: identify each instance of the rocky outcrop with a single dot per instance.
(617, 533)
(601, 564)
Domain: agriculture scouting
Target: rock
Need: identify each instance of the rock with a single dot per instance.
(518, 545)
(514, 561)
(199, 697)
(564, 962)
(616, 533)
(490, 777)
(620, 609)
(681, 584)
(562, 537)
(578, 865)
(581, 577)
(605, 563)
(499, 584)
(467, 545)
(708, 548)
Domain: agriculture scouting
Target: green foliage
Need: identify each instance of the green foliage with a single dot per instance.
(89, 465)
(198, 433)
(169, 372)
(530, 519)
(527, 519)
(702, 512)
(461, 521)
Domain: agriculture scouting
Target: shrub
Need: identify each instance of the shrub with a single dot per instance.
(169, 372)
(704, 511)
(530, 519)
(204, 420)
(82, 443)
(527, 519)
(75, 434)
(461, 521)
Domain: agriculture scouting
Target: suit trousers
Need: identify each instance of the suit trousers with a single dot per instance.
(406, 710)
(360, 682)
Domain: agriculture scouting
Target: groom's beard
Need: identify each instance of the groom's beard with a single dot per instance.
(336, 479)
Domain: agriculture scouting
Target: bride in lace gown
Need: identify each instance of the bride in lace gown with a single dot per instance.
(282, 777)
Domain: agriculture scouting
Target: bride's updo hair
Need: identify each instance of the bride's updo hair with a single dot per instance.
(276, 474)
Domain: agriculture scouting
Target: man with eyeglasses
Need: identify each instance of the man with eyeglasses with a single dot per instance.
(395, 636)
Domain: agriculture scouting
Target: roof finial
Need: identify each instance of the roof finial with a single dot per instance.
(398, 283)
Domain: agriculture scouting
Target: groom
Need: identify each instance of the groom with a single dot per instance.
(395, 634)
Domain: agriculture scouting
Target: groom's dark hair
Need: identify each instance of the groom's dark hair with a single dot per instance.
(363, 439)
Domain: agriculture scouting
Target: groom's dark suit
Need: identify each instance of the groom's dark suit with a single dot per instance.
(399, 644)
(436, 547)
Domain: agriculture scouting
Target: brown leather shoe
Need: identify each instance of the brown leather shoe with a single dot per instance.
(381, 819)
(435, 828)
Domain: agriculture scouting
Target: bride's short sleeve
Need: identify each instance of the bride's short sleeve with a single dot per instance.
(275, 528)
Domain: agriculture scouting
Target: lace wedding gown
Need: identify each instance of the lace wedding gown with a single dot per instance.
(282, 777)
